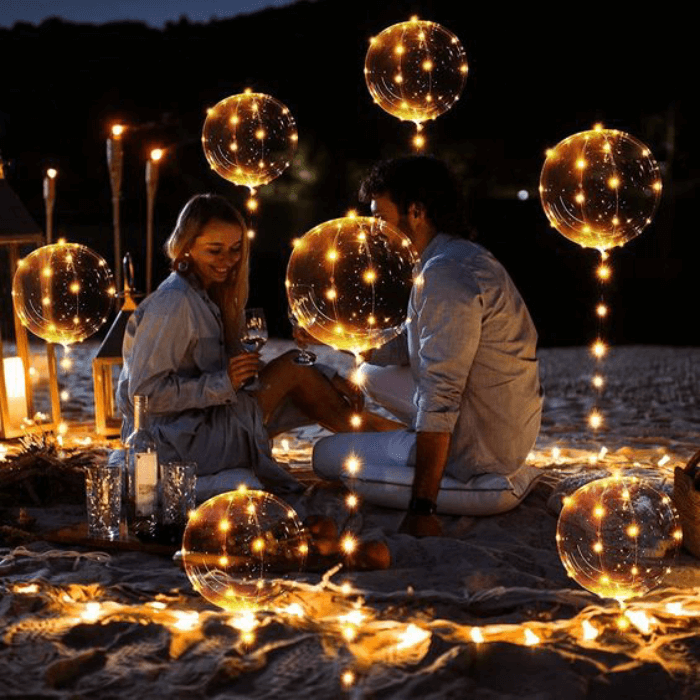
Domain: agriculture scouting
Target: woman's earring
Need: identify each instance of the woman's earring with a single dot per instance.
(184, 263)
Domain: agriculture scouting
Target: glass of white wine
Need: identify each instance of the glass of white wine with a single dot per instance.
(304, 357)
(255, 331)
(253, 338)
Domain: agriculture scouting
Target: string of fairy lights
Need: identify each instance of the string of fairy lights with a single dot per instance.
(355, 629)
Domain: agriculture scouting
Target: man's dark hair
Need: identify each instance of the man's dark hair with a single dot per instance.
(419, 180)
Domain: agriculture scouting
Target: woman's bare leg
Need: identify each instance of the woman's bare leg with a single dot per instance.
(315, 395)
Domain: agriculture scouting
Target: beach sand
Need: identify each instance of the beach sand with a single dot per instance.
(486, 611)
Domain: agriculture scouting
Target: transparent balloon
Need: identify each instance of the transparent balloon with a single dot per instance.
(600, 188)
(233, 541)
(249, 139)
(618, 536)
(63, 292)
(349, 281)
(415, 70)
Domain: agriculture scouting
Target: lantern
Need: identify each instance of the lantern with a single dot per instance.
(21, 372)
(107, 364)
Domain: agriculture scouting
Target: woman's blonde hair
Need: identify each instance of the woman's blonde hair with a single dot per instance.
(232, 295)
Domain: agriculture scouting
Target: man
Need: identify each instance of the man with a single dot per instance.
(469, 385)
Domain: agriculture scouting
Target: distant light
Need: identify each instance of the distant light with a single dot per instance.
(523, 195)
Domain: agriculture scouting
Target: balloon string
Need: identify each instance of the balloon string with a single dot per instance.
(252, 207)
(419, 139)
(600, 347)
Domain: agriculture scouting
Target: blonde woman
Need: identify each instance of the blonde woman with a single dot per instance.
(182, 349)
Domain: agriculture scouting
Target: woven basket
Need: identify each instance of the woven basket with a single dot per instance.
(687, 501)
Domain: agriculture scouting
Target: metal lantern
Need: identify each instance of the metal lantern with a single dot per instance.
(108, 362)
(21, 370)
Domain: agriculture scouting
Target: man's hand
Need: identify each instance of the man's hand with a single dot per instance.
(350, 392)
(420, 525)
(431, 456)
(242, 367)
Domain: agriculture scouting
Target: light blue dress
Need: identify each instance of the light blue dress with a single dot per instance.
(174, 353)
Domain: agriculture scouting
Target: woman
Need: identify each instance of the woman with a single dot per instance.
(182, 349)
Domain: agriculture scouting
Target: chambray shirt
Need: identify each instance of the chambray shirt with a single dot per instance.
(471, 345)
(174, 353)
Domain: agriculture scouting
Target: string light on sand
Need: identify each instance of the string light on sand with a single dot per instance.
(352, 465)
(348, 544)
(600, 188)
(348, 282)
(530, 638)
(249, 139)
(416, 71)
(647, 631)
(234, 540)
(618, 536)
(347, 678)
(588, 631)
(63, 292)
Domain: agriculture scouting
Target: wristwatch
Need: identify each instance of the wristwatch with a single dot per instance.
(421, 506)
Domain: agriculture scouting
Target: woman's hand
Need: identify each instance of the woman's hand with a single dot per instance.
(243, 367)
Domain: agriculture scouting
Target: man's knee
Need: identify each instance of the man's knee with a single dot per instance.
(326, 460)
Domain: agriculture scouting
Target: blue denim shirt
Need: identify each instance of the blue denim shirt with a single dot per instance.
(471, 345)
(174, 353)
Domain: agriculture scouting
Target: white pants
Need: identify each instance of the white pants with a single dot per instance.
(380, 466)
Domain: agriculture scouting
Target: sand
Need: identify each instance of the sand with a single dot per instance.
(487, 611)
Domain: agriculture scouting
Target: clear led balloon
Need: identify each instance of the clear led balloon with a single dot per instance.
(349, 280)
(63, 292)
(249, 139)
(600, 188)
(618, 536)
(234, 540)
(415, 70)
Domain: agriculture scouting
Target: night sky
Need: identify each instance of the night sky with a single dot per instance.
(536, 76)
(153, 12)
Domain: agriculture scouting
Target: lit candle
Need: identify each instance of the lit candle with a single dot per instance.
(16, 391)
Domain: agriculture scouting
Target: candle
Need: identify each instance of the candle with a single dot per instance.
(16, 393)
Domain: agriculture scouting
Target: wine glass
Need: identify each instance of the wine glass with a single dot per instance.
(305, 357)
(255, 331)
(253, 338)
